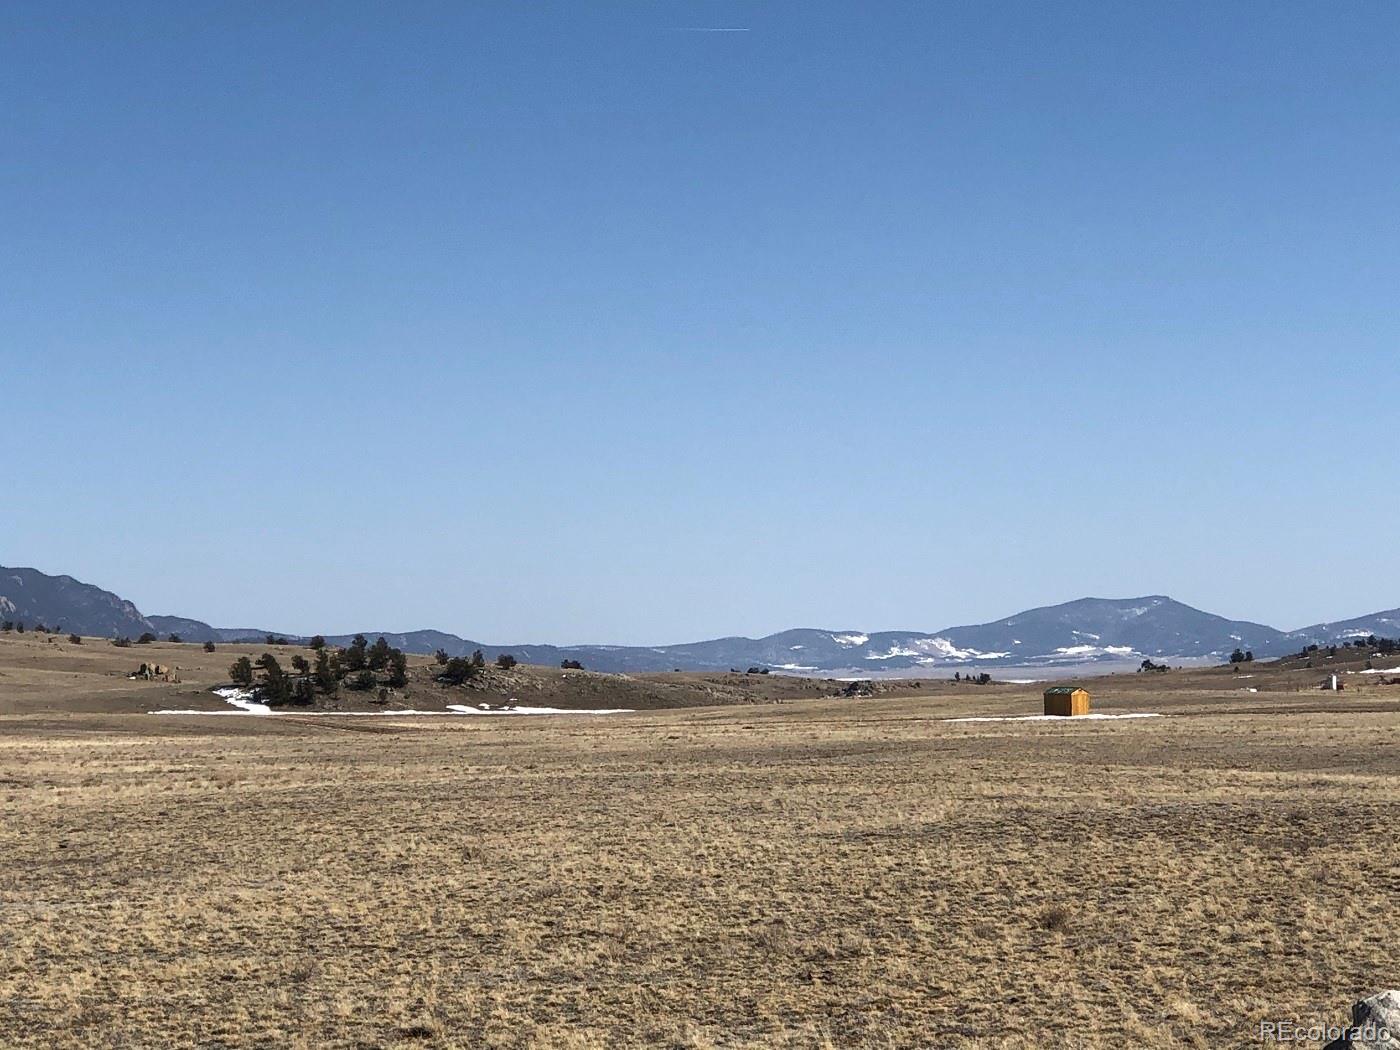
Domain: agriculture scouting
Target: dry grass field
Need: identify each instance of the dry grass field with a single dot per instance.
(828, 873)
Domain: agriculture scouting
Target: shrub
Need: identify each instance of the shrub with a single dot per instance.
(122, 642)
(209, 647)
(360, 681)
(458, 670)
(441, 657)
(173, 638)
(505, 661)
(75, 639)
(477, 659)
(317, 642)
(1055, 917)
(300, 664)
(571, 665)
(240, 672)
(146, 639)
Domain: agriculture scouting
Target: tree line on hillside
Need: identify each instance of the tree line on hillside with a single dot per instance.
(1377, 647)
(359, 667)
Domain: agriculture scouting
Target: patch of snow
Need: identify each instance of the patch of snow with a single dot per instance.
(850, 639)
(1094, 717)
(305, 714)
(933, 650)
(243, 700)
(452, 710)
(794, 648)
(1086, 634)
(1381, 670)
(463, 709)
(1095, 650)
(894, 651)
(791, 667)
(1252, 689)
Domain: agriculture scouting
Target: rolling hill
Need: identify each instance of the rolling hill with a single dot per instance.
(1084, 631)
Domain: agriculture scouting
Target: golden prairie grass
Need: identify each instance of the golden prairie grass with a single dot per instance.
(828, 874)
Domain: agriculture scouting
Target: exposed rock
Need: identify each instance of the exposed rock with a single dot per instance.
(1375, 1024)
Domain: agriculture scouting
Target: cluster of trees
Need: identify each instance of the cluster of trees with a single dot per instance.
(980, 679)
(1242, 656)
(1377, 647)
(458, 670)
(360, 667)
(1148, 665)
(17, 626)
(571, 665)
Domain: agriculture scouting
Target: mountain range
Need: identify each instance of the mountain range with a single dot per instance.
(1084, 631)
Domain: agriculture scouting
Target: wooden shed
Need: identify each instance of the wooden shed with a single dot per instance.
(1066, 700)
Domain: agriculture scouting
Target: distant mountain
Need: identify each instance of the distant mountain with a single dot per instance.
(1096, 628)
(1083, 631)
(1382, 625)
(199, 631)
(31, 597)
(1079, 632)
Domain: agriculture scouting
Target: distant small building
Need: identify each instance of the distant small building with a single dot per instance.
(1066, 700)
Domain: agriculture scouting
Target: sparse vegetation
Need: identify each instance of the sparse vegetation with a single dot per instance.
(528, 881)
(75, 639)
(505, 661)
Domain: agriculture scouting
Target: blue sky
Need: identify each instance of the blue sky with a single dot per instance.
(555, 322)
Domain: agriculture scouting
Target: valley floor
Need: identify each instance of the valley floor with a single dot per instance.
(829, 873)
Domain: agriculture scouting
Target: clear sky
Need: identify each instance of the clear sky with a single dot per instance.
(561, 322)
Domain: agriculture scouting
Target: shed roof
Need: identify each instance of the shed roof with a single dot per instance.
(1065, 690)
